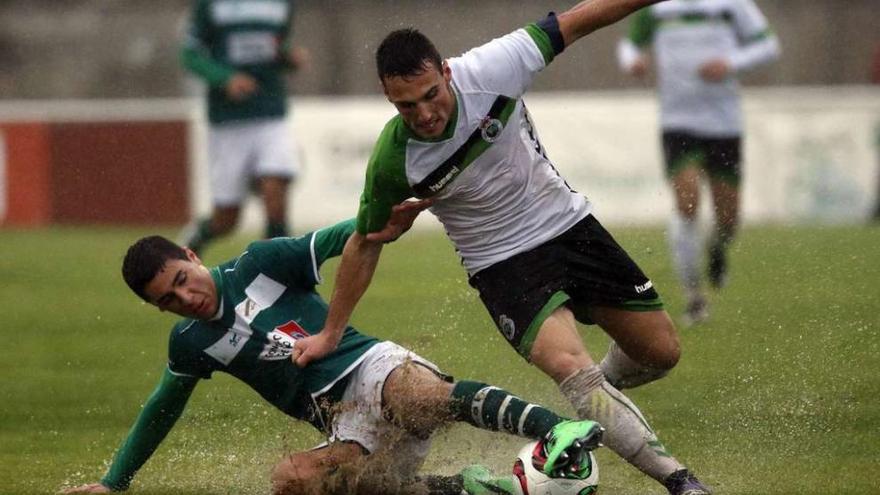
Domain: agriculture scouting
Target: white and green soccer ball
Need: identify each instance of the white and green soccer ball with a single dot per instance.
(529, 481)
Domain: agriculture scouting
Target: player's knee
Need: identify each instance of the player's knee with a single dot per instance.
(667, 360)
(296, 473)
(666, 353)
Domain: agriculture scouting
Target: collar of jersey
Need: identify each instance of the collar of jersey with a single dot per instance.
(450, 126)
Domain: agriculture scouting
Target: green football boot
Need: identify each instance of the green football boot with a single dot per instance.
(565, 449)
(478, 480)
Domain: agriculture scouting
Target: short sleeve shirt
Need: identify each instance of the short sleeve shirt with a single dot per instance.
(268, 301)
(495, 190)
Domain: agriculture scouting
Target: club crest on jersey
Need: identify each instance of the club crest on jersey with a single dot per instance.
(280, 342)
(508, 328)
(293, 329)
(490, 129)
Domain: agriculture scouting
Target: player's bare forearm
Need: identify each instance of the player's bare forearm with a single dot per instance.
(359, 260)
(590, 15)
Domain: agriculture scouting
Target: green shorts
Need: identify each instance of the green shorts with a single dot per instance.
(719, 157)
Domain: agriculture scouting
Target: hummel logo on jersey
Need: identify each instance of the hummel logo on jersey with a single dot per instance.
(642, 288)
(440, 184)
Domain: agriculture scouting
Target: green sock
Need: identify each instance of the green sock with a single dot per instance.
(492, 408)
(276, 229)
(434, 484)
(201, 235)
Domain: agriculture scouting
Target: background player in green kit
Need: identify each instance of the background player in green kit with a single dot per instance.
(700, 47)
(242, 49)
(374, 399)
(464, 139)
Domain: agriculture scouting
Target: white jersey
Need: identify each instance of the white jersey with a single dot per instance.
(685, 34)
(495, 191)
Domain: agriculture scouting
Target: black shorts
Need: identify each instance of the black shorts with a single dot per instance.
(719, 157)
(581, 268)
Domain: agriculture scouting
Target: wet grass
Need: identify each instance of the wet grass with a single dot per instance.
(776, 394)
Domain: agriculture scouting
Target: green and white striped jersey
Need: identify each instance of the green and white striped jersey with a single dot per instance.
(227, 36)
(496, 192)
(267, 301)
(685, 34)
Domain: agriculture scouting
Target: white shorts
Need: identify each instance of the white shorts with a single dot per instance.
(241, 151)
(361, 419)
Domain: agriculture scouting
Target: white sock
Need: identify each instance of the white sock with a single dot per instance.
(685, 244)
(627, 432)
(622, 372)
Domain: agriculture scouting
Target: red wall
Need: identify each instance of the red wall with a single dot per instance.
(96, 173)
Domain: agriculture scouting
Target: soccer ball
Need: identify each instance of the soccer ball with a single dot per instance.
(529, 481)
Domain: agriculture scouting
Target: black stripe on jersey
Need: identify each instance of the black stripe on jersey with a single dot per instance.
(454, 165)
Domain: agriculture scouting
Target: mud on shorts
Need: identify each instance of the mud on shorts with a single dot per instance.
(719, 157)
(580, 268)
(361, 419)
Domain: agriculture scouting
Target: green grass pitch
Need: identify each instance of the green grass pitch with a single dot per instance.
(776, 394)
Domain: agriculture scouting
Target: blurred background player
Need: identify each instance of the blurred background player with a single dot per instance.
(241, 49)
(377, 402)
(700, 47)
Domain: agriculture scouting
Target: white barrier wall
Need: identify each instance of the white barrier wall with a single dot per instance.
(810, 154)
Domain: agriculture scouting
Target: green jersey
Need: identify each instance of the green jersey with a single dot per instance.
(268, 301)
(250, 36)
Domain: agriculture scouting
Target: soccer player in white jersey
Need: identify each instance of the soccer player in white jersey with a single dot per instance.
(700, 46)
(463, 141)
(377, 402)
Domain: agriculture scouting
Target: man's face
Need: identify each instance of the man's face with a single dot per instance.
(184, 287)
(425, 101)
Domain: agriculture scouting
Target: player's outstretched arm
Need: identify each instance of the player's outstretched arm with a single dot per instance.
(359, 260)
(590, 15)
(156, 419)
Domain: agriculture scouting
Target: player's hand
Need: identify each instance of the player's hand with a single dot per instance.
(639, 68)
(241, 86)
(402, 217)
(313, 348)
(715, 70)
(90, 488)
(299, 58)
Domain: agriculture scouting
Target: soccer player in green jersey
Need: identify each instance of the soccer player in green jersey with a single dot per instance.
(464, 140)
(242, 49)
(700, 47)
(374, 400)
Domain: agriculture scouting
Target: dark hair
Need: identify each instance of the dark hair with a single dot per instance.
(145, 258)
(404, 53)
